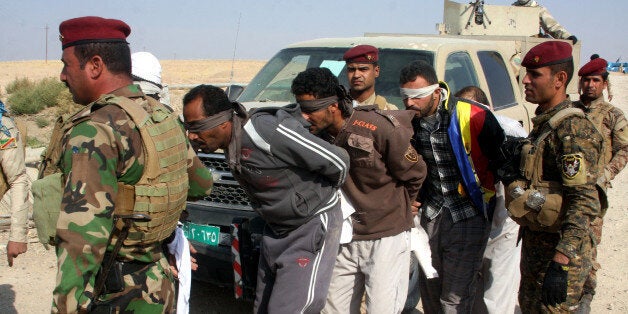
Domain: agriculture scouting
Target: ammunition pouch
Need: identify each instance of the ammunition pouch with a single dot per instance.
(547, 219)
(47, 192)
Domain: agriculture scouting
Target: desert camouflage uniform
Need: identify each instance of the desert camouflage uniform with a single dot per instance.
(573, 137)
(97, 153)
(612, 123)
(15, 182)
(547, 22)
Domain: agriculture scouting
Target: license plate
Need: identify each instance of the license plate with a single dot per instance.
(206, 234)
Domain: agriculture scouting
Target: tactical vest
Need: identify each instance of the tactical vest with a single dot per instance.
(549, 217)
(161, 192)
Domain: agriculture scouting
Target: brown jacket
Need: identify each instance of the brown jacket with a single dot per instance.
(386, 172)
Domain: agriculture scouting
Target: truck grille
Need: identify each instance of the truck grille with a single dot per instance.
(215, 162)
(228, 194)
(226, 189)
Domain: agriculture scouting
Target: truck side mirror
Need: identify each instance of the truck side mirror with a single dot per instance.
(233, 91)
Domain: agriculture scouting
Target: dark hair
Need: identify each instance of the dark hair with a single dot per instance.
(415, 69)
(594, 56)
(214, 99)
(477, 93)
(565, 66)
(321, 83)
(116, 56)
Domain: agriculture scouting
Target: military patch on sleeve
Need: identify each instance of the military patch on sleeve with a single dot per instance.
(411, 154)
(7, 143)
(573, 169)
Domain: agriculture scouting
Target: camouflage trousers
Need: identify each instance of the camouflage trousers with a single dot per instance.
(537, 251)
(148, 290)
(591, 282)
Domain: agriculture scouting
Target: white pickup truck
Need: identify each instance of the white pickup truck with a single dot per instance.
(223, 227)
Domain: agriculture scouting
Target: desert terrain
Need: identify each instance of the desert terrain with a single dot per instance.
(27, 286)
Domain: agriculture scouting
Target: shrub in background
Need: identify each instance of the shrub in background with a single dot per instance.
(30, 98)
(19, 84)
(34, 142)
(42, 122)
(65, 104)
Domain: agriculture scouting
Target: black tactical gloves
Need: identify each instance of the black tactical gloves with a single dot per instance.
(511, 155)
(554, 289)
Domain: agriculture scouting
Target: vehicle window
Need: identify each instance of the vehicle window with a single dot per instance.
(391, 61)
(500, 88)
(460, 72)
(273, 82)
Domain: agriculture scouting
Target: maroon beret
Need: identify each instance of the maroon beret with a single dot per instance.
(361, 54)
(92, 29)
(594, 67)
(547, 53)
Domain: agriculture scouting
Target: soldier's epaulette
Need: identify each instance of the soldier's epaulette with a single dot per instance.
(388, 114)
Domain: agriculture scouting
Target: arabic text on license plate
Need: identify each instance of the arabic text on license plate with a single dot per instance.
(202, 233)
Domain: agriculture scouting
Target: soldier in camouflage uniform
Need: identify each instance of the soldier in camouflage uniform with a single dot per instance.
(105, 154)
(14, 185)
(611, 122)
(556, 261)
(548, 23)
(607, 82)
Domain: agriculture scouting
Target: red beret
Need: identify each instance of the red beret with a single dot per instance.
(547, 53)
(594, 67)
(361, 54)
(92, 29)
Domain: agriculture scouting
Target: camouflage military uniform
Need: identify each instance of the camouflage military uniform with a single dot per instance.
(576, 138)
(612, 123)
(14, 184)
(547, 22)
(97, 154)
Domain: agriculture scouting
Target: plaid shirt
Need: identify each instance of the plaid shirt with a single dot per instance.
(441, 188)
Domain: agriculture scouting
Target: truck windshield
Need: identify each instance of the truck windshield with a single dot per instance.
(272, 83)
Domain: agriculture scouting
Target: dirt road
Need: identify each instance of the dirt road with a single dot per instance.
(27, 286)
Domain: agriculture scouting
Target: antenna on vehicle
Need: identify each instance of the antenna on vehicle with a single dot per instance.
(235, 45)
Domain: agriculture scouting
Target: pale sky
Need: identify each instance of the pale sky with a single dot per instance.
(206, 29)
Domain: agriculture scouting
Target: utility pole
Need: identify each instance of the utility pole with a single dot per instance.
(46, 28)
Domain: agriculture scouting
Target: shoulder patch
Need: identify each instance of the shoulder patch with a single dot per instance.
(411, 154)
(7, 143)
(573, 169)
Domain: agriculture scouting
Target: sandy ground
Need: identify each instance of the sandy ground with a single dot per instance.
(27, 286)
